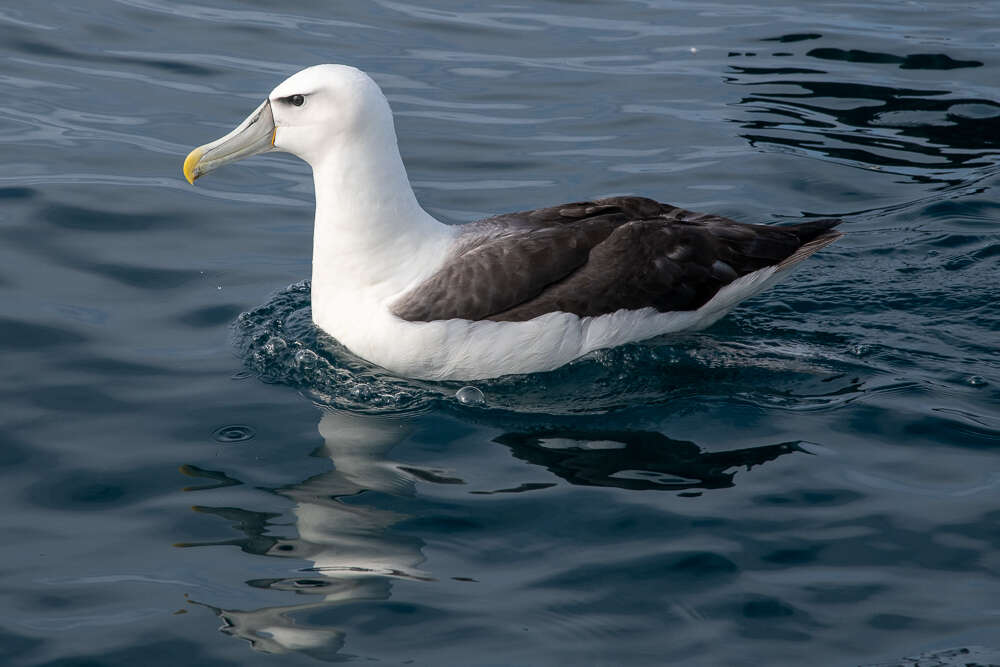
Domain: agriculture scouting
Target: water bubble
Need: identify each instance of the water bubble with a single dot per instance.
(861, 350)
(306, 359)
(977, 381)
(274, 346)
(360, 392)
(470, 396)
(233, 433)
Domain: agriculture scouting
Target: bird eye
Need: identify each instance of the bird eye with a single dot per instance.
(297, 100)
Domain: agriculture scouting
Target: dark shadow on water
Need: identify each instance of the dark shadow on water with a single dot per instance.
(793, 37)
(914, 61)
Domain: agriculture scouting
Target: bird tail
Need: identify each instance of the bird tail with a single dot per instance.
(813, 235)
(807, 231)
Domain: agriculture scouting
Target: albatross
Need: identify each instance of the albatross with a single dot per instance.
(514, 293)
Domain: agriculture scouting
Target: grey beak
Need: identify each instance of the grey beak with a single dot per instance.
(254, 135)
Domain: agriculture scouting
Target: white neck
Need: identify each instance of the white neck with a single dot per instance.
(372, 240)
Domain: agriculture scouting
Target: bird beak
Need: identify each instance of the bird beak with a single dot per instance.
(252, 136)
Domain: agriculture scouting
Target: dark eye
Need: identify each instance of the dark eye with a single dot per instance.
(297, 100)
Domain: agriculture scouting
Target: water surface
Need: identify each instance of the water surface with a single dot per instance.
(193, 475)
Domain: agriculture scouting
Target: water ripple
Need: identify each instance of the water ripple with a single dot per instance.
(810, 480)
(231, 17)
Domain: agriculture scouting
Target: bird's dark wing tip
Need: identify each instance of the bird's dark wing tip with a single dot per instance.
(807, 231)
(809, 247)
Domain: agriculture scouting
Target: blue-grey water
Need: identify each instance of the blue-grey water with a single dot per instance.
(192, 475)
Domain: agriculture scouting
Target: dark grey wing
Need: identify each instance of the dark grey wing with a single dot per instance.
(666, 266)
(594, 258)
(502, 270)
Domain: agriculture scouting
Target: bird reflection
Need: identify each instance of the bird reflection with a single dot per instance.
(357, 553)
(636, 459)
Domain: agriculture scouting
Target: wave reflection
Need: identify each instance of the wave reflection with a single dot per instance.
(861, 117)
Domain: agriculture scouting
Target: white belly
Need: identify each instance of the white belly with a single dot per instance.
(466, 350)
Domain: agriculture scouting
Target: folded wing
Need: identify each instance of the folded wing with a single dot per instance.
(595, 258)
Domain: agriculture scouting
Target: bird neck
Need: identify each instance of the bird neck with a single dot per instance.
(372, 240)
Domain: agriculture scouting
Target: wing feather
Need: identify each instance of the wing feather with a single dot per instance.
(594, 258)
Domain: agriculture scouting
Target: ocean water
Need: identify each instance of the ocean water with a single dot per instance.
(192, 475)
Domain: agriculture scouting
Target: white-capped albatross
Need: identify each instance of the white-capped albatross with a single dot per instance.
(516, 293)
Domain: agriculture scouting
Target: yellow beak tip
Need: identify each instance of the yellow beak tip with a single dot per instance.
(190, 163)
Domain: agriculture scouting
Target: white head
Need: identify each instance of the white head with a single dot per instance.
(319, 107)
(311, 114)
